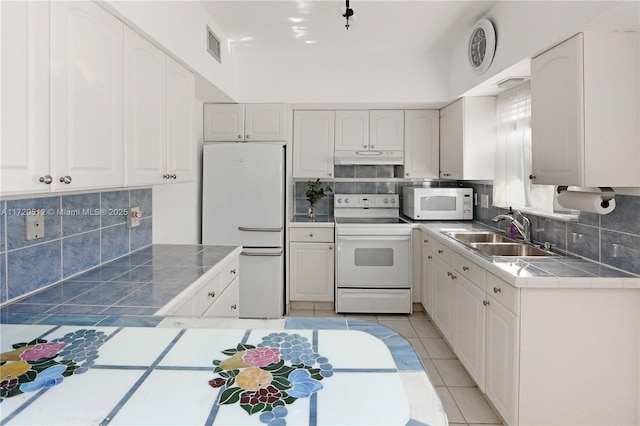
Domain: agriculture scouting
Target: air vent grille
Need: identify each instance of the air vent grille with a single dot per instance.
(213, 45)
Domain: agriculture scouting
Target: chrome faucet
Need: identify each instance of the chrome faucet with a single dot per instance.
(523, 226)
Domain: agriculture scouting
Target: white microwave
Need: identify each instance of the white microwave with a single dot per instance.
(422, 203)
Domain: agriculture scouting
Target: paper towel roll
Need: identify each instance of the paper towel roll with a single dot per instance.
(586, 202)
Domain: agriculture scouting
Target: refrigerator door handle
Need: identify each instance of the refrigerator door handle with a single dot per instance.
(242, 228)
(246, 253)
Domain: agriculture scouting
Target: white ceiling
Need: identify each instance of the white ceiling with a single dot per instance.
(379, 26)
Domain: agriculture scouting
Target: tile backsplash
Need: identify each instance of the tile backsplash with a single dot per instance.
(81, 231)
(612, 239)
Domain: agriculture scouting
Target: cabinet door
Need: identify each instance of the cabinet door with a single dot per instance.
(228, 304)
(86, 96)
(470, 326)
(313, 140)
(352, 130)
(451, 140)
(557, 113)
(265, 122)
(427, 280)
(443, 299)
(386, 130)
(181, 144)
(312, 272)
(421, 144)
(145, 111)
(223, 122)
(502, 360)
(24, 137)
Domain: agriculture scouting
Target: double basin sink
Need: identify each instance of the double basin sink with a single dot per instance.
(494, 244)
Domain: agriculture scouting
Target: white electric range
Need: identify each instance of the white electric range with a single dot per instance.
(373, 256)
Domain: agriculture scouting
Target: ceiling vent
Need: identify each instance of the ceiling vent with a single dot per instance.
(213, 44)
(509, 82)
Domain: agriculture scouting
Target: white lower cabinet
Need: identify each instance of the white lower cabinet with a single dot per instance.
(470, 326)
(502, 349)
(226, 305)
(542, 356)
(443, 299)
(311, 264)
(215, 296)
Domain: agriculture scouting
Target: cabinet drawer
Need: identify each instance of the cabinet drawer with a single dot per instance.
(324, 235)
(229, 272)
(228, 304)
(470, 270)
(207, 294)
(503, 292)
(441, 251)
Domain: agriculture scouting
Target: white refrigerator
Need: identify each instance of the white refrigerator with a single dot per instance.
(243, 204)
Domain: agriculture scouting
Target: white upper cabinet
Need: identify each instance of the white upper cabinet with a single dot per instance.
(584, 111)
(386, 130)
(145, 110)
(24, 124)
(313, 143)
(468, 139)
(352, 130)
(181, 148)
(86, 97)
(158, 115)
(245, 122)
(421, 144)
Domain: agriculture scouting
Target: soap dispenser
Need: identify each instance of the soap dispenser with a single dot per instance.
(512, 230)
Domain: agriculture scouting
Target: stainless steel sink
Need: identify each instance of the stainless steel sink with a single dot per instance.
(510, 249)
(478, 237)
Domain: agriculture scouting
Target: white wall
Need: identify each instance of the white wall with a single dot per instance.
(315, 75)
(179, 28)
(527, 28)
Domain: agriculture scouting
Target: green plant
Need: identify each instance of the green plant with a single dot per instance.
(316, 192)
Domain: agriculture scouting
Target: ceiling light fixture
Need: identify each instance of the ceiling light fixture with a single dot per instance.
(348, 13)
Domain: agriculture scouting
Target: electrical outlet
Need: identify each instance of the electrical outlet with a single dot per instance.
(133, 218)
(34, 225)
(484, 201)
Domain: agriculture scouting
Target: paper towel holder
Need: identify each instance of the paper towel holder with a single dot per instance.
(607, 194)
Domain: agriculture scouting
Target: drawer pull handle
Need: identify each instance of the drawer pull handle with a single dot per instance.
(497, 289)
(211, 294)
(65, 179)
(311, 235)
(449, 274)
(453, 277)
(485, 302)
(440, 251)
(46, 179)
(233, 271)
(429, 257)
(234, 307)
(465, 268)
(426, 241)
(330, 247)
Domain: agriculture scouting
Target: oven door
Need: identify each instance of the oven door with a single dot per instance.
(373, 261)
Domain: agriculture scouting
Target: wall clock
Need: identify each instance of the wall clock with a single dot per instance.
(482, 46)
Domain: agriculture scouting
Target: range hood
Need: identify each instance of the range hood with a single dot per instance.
(368, 157)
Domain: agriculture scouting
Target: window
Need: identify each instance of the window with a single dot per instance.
(511, 185)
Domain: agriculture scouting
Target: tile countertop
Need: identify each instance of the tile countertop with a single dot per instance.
(316, 371)
(140, 284)
(562, 271)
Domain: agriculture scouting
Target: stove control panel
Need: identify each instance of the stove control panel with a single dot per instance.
(390, 201)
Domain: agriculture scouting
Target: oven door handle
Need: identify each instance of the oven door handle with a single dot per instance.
(347, 238)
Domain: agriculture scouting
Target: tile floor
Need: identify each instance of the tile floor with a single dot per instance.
(463, 402)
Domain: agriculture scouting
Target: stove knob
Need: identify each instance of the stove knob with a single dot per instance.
(386, 201)
(346, 200)
(393, 201)
(339, 200)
